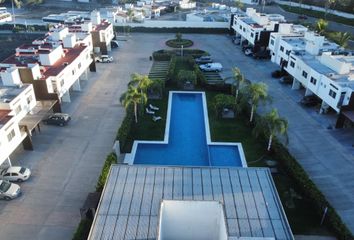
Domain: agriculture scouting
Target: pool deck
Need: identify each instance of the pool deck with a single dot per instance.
(129, 158)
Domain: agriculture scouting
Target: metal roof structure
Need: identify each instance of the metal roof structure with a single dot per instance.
(130, 202)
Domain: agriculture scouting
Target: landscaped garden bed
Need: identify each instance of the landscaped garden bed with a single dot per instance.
(179, 42)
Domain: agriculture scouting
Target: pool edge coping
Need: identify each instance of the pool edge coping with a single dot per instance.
(129, 159)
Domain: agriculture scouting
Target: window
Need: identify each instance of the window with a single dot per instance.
(29, 99)
(332, 93)
(304, 74)
(18, 109)
(292, 64)
(11, 135)
(240, 27)
(281, 48)
(79, 66)
(272, 42)
(252, 35)
(73, 72)
(313, 81)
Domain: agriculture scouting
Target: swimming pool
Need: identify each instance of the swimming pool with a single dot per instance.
(187, 138)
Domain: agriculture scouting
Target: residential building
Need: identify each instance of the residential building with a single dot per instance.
(152, 202)
(20, 113)
(329, 75)
(254, 28)
(296, 38)
(102, 33)
(54, 64)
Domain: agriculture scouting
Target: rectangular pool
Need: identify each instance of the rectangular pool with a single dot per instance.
(187, 138)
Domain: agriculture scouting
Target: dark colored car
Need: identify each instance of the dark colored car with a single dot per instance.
(279, 73)
(310, 101)
(262, 55)
(59, 119)
(286, 79)
(302, 17)
(203, 60)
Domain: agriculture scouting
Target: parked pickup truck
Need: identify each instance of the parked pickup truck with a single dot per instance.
(211, 67)
(203, 60)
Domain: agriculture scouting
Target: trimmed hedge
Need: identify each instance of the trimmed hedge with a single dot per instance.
(166, 55)
(125, 128)
(309, 189)
(174, 30)
(22, 27)
(110, 159)
(83, 230)
(174, 43)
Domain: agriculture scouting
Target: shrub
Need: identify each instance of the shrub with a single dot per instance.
(186, 76)
(172, 68)
(165, 55)
(83, 230)
(309, 189)
(162, 55)
(201, 80)
(111, 159)
(174, 43)
(222, 101)
(125, 128)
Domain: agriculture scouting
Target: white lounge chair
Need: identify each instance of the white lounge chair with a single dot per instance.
(148, 111)
(156, 118)
(153, 107)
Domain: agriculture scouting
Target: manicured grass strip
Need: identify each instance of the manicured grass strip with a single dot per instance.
(318, 14)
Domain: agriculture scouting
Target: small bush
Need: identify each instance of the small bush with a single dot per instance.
(111, 159)
(162, 55)
(186, 76)
(83, 230)
(222, 101)
(171, 68)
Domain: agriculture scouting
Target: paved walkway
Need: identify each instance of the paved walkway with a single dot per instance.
(328, 161)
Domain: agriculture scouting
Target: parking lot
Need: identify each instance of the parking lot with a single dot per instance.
(67, 160)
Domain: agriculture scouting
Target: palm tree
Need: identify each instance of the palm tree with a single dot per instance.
(343, 38)
(271, 124)
(253, 94)
(133, 96)
(239, 80)
(321, 25)
(141, 83)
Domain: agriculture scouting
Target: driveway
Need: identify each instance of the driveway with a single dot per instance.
(67, 160)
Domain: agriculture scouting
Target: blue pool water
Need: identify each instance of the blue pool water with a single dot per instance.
(187, 144)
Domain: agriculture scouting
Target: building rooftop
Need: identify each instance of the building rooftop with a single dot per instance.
(102, 26)
(130, 203)
(250, 22)
(8, 93)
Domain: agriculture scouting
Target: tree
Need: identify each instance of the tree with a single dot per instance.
(321, 25)
(270, 125)
(222, 101)
(179, 37)
(343, 38)
(156, 87)
(239, 4)
(239, 81)
(133, 96)
(141, 83)
(253, 94)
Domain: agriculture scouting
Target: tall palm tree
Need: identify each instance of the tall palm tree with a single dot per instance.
(271, 124)
(343, 38)
(321, 25)
(133, 96)
(141, 83)
(254, 94)
(239, 80)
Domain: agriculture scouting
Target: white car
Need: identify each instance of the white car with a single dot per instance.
(104, 59)
(211, 67)
(9, 190)
(15, 173)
